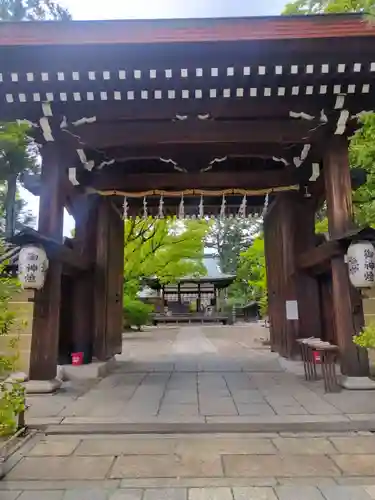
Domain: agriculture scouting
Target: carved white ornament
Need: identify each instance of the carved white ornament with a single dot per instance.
(361, 264)
(32, 267)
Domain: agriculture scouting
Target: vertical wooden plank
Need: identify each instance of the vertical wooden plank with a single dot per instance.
(338, 186)
(85, 213)
(307, 286)
(289, 230)
(115, 284)
(45, 336)
(101, 280)
(109, 273)
(340, 219)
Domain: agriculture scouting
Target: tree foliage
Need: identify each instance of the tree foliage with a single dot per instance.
(12, 397)
(362, 154)
(362, 144)
(164, 248)
(32, 10)
(228, 238)
(136, 313)
(308, 7)
(17, 156)
(251, 273)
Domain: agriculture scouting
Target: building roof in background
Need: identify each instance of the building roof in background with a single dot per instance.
(40, 33)
(213, 275)
(212, 265)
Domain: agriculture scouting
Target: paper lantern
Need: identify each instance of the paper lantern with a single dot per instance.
(32, 267)
(361, 264)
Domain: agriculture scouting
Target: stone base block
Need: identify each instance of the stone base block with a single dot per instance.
(17, 377)
(95, 370)
(358, 383)
(42, 386)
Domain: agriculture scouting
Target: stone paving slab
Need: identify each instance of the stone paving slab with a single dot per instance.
(279, 466)
(359, 445)
(356, 465)
(254, 493)
(166, 466)
(304, 446)
(55, 468)
(223, 493)
(298, 493)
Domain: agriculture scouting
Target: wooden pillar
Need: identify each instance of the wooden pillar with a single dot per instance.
(85, 214)
(289, 230)
(45, 336)
(340, 219)
(109, 273)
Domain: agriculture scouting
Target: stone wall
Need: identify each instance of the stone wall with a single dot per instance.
(22, 328)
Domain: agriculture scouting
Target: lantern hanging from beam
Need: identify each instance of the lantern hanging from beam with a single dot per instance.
(32, 267)
(361, 264)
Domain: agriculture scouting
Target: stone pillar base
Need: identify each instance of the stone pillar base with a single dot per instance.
(358, 383)
(95, 370)
(42, 386)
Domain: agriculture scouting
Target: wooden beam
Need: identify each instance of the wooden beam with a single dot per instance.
(224, 108)
(104, 135)
(208, 150)
(317, 256)
(56, 251)
(119, 179)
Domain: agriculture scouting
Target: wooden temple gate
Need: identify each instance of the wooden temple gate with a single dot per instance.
(194, 109)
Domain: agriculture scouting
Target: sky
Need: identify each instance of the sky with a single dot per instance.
(146, 9)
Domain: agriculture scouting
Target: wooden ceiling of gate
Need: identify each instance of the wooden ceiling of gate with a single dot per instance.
(200, 104)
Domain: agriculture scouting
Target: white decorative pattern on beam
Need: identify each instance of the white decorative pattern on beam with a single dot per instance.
(227, 92)
(315, 172)
(72, 175)
(168, 73)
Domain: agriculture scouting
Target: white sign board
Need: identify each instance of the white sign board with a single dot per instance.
(291, 309)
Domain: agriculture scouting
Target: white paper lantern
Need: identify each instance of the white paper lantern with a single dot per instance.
(361, 264)
(32, 267)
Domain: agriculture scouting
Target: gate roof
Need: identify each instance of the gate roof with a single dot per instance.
(137, 106)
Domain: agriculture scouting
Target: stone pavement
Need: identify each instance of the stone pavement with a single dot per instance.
(194, 467)
(201, 375)
(196, 377)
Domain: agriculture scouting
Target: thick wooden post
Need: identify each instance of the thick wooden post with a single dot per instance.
(85, 215)
(340, 219)
(45, 336)
(288, 231)
(108, 281)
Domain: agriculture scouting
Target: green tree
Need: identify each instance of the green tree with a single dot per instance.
(32, 10)
(362, 153)
(12, 397)
(251, 273)
(362, 144)
(16, 157)
(163, 248)
(228, 238)
(308, 7)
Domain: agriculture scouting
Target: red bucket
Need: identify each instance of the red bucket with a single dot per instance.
(77, 358)
(316, 357)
